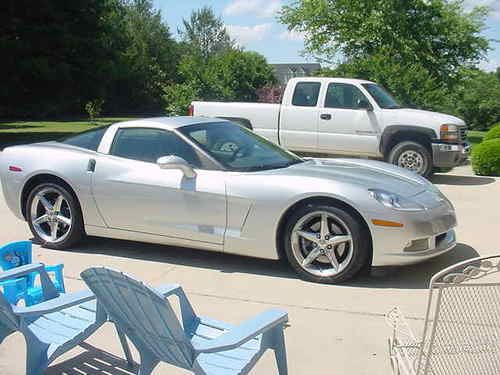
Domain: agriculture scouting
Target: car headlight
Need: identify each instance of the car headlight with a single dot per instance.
(395, 201)
(449, 133)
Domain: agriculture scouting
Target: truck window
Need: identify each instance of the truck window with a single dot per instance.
(306, 94)
(343, 95)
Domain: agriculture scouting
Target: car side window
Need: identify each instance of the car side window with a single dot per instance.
(89, 139)
(149, 144)
(343, 95)
(306, 94)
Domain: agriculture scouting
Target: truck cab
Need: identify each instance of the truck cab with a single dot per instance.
(344, 116)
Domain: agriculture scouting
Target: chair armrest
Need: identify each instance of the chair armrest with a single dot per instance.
(54, 268)
(187, 312)
(55, 304)
(245, 331)
(21, 271)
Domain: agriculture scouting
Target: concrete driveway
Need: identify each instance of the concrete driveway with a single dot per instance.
(333, 329)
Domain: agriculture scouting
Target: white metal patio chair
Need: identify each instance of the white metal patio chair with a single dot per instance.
(462, 324)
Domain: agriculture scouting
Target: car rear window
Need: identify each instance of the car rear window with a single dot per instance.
(89, 139)
(306, 94)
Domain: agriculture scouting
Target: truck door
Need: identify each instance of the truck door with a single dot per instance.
(346, 126)
(299, 118)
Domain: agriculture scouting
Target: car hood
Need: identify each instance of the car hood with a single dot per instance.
(420, 116)
(366, 173)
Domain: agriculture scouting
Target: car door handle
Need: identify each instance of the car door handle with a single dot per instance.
(91, 165)
(325, 116)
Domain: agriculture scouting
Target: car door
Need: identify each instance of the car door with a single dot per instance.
(134, 194)
(299, 118)
(345, 125)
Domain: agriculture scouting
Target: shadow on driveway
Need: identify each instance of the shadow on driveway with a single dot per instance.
(93, 361)
(405, 277)
(448, 179)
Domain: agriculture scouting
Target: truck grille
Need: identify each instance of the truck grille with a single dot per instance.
(462, 130)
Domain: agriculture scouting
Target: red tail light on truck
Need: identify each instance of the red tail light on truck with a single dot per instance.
(191, 110)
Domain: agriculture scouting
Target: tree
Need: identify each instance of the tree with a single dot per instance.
(148, 57)
(232, 74)
(435, 34)
(205, 33)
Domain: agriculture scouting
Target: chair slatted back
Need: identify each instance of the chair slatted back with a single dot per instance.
(143, 314)
(8, 320)
(462, 332)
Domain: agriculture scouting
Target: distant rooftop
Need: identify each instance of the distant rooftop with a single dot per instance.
(284, 72)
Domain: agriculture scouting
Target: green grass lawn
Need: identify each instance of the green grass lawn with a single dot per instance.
(475, 137)
(19, 132)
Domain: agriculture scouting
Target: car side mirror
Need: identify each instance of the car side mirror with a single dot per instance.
(176, 162)
(364, 104)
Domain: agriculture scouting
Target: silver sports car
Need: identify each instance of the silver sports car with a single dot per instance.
(214, 185)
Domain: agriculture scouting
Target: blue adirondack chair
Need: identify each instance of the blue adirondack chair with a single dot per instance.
(19, 253)
(53, 326)
(201, 345)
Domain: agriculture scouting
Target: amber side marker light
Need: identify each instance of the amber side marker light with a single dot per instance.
(386, 223)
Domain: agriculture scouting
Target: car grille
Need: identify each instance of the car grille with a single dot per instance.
(462, 130)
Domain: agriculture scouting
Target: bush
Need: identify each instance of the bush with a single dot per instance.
(94, 108)
(493, 133)
(178, 97)
(486, 158)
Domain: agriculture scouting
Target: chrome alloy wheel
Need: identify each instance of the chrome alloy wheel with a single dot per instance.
(322, 244)
(50, 215)
(412, 160)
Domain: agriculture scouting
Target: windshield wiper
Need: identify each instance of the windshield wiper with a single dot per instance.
(264, 167)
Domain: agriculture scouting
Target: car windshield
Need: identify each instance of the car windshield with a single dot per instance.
(237, 148)
(381, 96)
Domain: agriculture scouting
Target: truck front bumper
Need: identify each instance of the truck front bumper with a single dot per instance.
(446, 155)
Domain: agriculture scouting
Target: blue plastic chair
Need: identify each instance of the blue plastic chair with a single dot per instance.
(52, 327)
(201, 345)
(19, 253)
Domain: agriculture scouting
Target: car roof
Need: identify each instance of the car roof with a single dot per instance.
(330, 79)
(168, 123)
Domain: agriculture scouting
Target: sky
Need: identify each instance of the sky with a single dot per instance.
(253, 24)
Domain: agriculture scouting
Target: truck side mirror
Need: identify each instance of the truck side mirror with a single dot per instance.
(364, 104)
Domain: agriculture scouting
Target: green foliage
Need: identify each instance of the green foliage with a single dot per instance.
(94, 108)
(179, 96)
(59, 55)
(205, 33)
(486, 158)
(476, 99)
(493, 133)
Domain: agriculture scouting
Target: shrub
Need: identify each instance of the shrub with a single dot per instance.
(493, 133)
(178, 97)
(94, 108)
(486, 158)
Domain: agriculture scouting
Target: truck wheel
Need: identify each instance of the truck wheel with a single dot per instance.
(412, 156)
(326, 244)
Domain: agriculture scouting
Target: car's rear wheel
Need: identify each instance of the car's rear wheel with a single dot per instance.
(326, 244)
(54, 216)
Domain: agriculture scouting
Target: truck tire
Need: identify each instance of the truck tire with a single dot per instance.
(412, 156)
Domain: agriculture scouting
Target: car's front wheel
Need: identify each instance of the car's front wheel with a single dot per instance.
(326, 244)
(54, 216)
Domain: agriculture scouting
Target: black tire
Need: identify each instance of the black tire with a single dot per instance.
(77, 230)
(361, 243)
(422, 151)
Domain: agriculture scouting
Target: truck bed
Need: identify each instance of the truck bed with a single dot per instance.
(262, 118)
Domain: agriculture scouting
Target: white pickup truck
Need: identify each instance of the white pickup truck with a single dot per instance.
(340, 116)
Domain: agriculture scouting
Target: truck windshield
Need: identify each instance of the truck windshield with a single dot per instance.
(237, 148)
(381, 96)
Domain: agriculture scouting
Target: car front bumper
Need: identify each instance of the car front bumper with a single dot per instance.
(448, 155)
(425, 235)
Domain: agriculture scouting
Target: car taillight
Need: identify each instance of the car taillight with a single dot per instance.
(191, 110)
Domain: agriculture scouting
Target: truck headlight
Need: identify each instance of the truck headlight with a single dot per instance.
(449, 133)
(395, 201)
